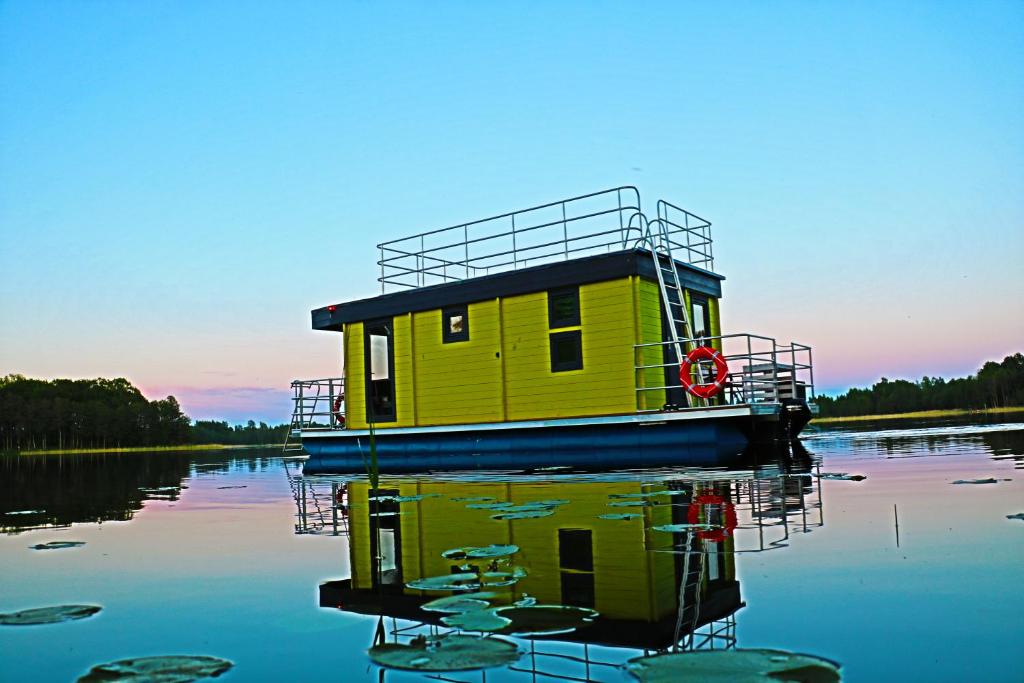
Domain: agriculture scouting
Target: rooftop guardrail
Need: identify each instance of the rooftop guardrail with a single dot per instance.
(609, 220)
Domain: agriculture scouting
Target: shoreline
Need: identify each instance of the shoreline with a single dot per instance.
(147, 449)
(917, 414)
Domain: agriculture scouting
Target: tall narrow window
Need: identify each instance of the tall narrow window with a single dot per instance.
(455, 324)
(379, 357)
(701, 319)
(576, 562)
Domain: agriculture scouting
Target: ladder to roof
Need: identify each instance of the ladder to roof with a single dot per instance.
(672, 296)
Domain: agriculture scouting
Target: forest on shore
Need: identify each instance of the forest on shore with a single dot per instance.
(107, 413)
(995, 385)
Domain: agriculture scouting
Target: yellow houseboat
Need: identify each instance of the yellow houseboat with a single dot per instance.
(579, 332)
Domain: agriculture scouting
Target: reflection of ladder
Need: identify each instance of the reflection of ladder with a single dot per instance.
(691, 589)
(672, 296)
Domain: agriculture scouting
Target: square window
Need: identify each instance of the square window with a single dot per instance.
(576, 549)
(566, 351)
(564, 308)
(454, 324)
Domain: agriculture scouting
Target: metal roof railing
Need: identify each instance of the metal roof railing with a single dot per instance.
(609, 220)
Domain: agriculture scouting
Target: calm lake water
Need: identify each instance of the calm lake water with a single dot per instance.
(235, 555)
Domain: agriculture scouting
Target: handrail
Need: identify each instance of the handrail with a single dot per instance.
(761, 370)
(314, 402)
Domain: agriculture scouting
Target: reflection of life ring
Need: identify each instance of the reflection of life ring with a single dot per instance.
(728, 513)
(336, 410)
(698, 389)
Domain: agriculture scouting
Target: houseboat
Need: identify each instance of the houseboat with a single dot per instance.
(581, 332)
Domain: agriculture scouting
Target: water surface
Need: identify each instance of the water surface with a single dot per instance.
(240, 557)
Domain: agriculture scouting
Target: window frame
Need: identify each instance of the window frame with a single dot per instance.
(562, 366)
(447, 336)
(555, 322)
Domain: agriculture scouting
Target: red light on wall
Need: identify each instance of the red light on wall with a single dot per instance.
(330, 309)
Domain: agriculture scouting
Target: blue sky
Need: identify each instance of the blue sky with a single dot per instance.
(180, 183)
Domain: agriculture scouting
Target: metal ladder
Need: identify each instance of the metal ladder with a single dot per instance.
(672, 296)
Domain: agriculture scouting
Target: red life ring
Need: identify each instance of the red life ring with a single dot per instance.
(728, 512)
(721, 372)
(336, 410)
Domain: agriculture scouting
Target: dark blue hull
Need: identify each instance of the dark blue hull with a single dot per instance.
(690, 442)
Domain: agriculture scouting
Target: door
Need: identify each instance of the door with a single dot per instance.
(379, 361)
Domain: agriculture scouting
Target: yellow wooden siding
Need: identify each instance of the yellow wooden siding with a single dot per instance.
(355, 389)
(649, 310)
(603, 386)
(458, 382)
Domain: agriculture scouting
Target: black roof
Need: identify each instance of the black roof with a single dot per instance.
(579, 271)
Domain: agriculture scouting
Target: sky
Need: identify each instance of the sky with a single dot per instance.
(182, 182)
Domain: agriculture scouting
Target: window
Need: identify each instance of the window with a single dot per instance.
(379, 350)
(454, 324)
(576, 562)
(566, 351)
(564, 308)
(699, 316)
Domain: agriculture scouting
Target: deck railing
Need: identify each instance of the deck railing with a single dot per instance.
(760, 371)
(599, 222)
(318, 404)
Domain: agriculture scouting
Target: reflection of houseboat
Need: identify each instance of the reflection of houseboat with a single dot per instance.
(537, 336)
(651, 588)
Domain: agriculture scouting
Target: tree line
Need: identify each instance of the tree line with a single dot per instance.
(995, 385)
(106, 413)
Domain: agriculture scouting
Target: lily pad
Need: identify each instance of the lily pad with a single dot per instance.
(57, 545)
(734, 666)
(453, 604)
(550, 503)
(842, 476)
(488, 506)
(48, 615)
(645, 494)
(682, 528)
(487, 551)
(977, 481)
(468, 581)
(166, 669)
(453, 652)
(630, 503)
(473, 499)
(538, 620)
(1018, 515)
(477, 620)
(525, 514)
(620, 515)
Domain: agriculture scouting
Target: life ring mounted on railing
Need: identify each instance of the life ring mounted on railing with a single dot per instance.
(336, 411)
(729, 520)
(699, 389)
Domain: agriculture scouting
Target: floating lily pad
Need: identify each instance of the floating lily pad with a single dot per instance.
(525, 601)
(550, 503)
(454, 604)
(645, 494)
(734, 666)
(1019, 515)
(473, 499)
(57, 545)
(487, 551)
(48, 615)
(538, 620)
(488, 506)
(630, 503)
(682, 528)
(977, 481)
(455, 652)
(525, 514)
(842, 476)
(620, 515)
(468, 581)
(167, 669)
(477, 620)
